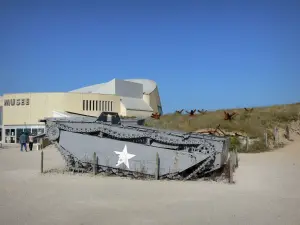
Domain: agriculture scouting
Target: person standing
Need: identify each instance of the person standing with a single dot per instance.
(23, 140)
(30, 141)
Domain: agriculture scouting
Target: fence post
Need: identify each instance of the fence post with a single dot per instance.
(287, 130)
(95, 163)
(247, 143)
(42, 161)
(276, 136)
(237, 158)
(231, 167)
(157, 167)
(266, 139)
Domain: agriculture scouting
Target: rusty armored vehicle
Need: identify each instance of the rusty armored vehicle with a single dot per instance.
(128, 148)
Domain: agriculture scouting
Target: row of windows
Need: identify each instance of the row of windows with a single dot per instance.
(94, 105)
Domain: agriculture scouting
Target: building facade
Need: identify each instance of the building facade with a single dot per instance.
(22, 111)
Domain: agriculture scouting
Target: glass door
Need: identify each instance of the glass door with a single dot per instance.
(19, 132)
(10, 135)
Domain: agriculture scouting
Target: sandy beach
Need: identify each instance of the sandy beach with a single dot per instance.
(267, 191)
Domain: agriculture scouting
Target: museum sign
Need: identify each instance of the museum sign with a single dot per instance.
(16, 102)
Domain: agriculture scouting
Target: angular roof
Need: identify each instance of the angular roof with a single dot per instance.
(148, 85)
(109, 87)
(104, 88)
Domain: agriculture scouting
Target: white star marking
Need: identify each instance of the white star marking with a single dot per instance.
(124, 156)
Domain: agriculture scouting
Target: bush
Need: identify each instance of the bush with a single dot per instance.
(258, 146)
(234, 143)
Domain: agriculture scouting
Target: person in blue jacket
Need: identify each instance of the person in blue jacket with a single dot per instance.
(23, 140)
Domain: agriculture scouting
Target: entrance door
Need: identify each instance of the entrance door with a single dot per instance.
(10, 135)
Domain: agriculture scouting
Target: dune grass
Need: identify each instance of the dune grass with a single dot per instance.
(253, 124)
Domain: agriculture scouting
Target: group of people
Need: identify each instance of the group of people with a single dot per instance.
(24, 139)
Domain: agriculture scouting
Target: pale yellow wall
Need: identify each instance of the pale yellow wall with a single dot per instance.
(122, 110)
(146, 98)
(136, 113)
(43, 104)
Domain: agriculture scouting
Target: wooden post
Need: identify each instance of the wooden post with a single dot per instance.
(237, 158)
(234, 159)
(41, 142)
(287, 131)
(276, 136)
(95, 163)
(266, 139)
(247, 143)
(42, 161)
(157, 167)
(230, 168)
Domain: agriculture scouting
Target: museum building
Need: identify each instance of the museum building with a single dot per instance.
(22, 111)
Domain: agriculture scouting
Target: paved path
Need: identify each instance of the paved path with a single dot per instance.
(267, 191)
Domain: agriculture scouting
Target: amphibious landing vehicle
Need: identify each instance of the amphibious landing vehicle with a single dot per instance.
(129, 148)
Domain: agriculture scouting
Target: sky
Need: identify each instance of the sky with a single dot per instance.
(202, 54)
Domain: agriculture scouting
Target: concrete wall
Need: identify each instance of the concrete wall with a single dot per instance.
(30, 107)
(1, 115)
(128, 89)
(154, 100)
(122, 110)
(137, 113)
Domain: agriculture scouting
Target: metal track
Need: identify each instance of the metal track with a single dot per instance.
(140, 137)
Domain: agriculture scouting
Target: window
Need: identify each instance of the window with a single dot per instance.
(83, 105)
(103, 106)
(19, 132)
(93, 105)
(96, 104)
(10, 135)
(108, 106)
(111, 106)
(27, 131)
(99, 105)
(86, 105)
(7, 132)
(41, 131)
(34, 132)
(90, 108)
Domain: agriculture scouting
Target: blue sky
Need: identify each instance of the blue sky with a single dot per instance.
(202, 54)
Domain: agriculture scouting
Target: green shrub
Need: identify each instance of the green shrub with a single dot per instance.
(234, 143)
(258, 146)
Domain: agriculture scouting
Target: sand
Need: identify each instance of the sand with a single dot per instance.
(267, 191)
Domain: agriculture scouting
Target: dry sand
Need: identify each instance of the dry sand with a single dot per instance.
(267, 191)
